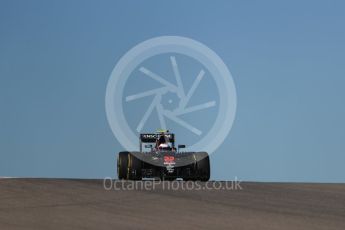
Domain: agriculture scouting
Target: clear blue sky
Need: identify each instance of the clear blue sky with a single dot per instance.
(287, 59)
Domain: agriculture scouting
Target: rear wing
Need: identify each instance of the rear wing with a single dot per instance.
(152, 137)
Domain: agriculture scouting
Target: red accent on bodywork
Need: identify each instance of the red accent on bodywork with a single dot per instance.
(169, 158)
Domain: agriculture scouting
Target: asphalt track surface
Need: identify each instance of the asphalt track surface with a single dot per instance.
(85, 204)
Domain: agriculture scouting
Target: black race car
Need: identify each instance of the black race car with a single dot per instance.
(162, 160)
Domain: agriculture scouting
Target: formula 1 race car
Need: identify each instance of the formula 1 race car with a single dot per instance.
(162, 160)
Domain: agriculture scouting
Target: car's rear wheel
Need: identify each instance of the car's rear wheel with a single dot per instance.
(134, 168)
(202, 166)
(122, 165)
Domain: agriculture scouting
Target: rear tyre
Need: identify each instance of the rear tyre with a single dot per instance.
(122, 165)
(202, 166)
(134, 168)
(190, 172)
